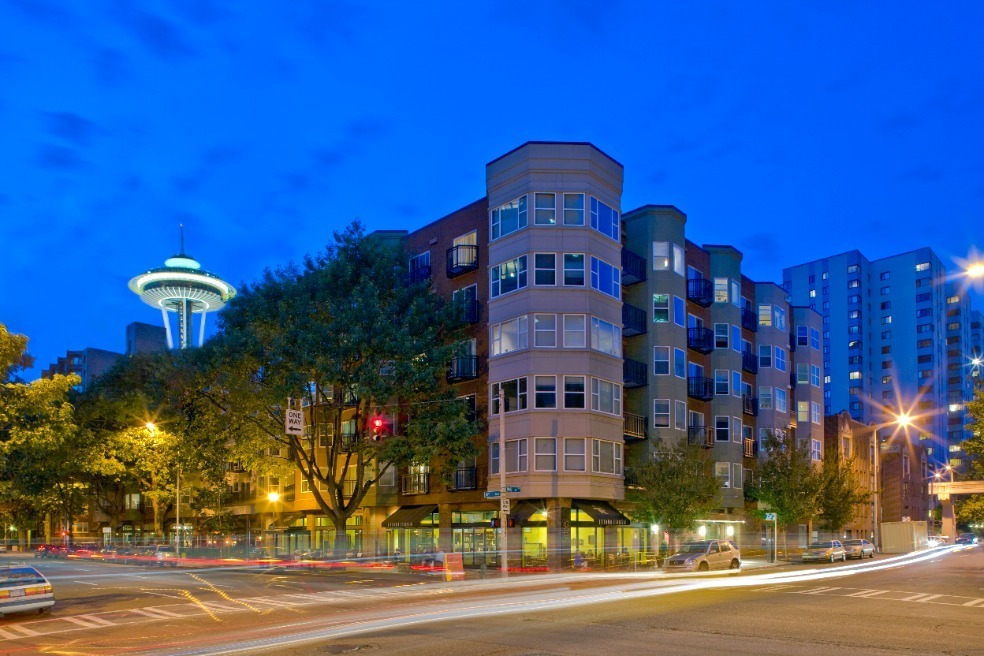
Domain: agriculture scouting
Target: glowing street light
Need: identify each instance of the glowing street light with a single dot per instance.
(975, 270)
(273, 497)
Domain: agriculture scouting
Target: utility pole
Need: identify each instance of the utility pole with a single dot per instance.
(503, 515)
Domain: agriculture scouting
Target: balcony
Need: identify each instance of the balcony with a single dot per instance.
(700, 339)
(749, 362)
(633, 321)
(700, 387)
(461, 259)
(463, 367)
(751, 447)
(750, 405)
(634, 426)
(749, 320)
(634, 374)
(792, 380)
(633, 268)
(700, 435)
(348, 442)
(464, 478)
(419, 274)
(416, 483)
(467, 311)
(700, 291)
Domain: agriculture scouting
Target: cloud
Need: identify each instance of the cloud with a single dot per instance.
(69, 126)
(60, 158)
(161, 37)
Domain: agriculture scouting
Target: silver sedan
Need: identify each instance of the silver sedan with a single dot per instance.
(859, 549)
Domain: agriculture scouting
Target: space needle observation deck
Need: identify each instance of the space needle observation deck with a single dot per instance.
(181, 286)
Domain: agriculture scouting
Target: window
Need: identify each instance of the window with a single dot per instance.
(853, 314)
(765, 398)
(606, 457)
(514, 392)
(574, 328)
(508, 276)
(854, 330)
(922, 266)
(854, 268)
(720, 290)
(508, 218)
(545, 392)
(545, 330)
(678, 260)
(516, 455)
(544, 209)
(814, 375)
(885, 291)
(924, 328)
(574, 269)
(765, 315)
(736, 430)
(813, 293)
(802, 338)
(802, 373)
(765, 355)
(545, 454)
(722, 429)
(736, 383)
(780, 399)
(780, 359)
(545, 269)
(735, 293)
(886, 334)
(853, 284)
(815, 413)
(661, 360)
(605, 278)
(815, 453)
(886, 320)
(927, 359)
(661, 413)
(924, 343)
(510, 336)
(604, 219)
(854, 299)
(955, 325)
(421, 265)
(721, 331)
(814, 338)
(803, 412)
(661, 308)
(780, 318)
(722, 472)
(679, 313)
(679, 363)
(574, 391)
(925, 296)
(661, 256)
(606, 337)
(574, 454)
(736, 475)
(824, 275)
(736, 338)
(886, 305)
(721, 382)
(606, 396)
(886, 380)
(680, 415)
(885, 275)
(574, 209)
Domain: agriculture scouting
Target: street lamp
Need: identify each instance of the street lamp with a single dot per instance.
(273, 498)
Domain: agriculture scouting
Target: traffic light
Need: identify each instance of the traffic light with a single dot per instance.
(378, 428)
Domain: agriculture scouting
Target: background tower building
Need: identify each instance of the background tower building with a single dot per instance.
(181, 286)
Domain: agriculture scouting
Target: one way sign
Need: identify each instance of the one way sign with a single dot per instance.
(294, 422)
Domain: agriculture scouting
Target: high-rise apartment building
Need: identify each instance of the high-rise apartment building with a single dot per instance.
(884, 338)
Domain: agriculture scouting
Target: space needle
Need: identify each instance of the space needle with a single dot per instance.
(183, 287)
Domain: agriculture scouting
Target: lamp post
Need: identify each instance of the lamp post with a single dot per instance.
(273, 498)
(903, 421)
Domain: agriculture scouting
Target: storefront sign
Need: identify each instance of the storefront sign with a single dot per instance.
(454, 567)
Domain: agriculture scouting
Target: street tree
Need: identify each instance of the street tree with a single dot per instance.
(970, 509)
(349, 339)
(840, 492)
(787, 481)
(674, 488)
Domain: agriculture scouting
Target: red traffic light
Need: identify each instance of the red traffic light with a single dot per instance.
(378, 428)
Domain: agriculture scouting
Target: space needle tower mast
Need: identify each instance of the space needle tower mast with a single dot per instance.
(181, 286)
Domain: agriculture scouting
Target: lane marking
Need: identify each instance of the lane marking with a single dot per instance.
(929, 598)
(157, 612)
(867, 593)
(7, 635)
(815, 591)
(97, 620)
(916, 597)
(81, 622)
(974, 602)
(23, 629)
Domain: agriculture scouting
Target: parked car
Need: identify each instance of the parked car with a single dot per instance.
(831, 550)
(704, 556)
(166, 555)
(50, 551)
(23, 589)
(859, 549)
(966, 538)
(937, 540)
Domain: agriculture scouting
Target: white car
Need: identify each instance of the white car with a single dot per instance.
(23, 589)
(704, 556)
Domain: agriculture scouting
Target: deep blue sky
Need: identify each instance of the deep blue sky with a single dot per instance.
(789, 130)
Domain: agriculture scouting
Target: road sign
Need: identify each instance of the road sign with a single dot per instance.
(512, 488)
(770, 517)
(294, 422)
(493, 495)
(504, 505)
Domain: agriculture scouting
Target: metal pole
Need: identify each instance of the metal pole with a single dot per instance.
(177, 516)
(503, 515)
(877, 448)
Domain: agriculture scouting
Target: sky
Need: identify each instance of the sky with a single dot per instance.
(792, 131)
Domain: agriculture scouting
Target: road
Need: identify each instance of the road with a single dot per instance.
(932, 604)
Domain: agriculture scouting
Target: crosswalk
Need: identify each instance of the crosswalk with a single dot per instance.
(882, 595)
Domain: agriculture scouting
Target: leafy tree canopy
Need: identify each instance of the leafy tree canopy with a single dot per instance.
(673, 489)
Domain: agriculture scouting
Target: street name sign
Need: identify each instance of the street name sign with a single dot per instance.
(512, 488)
(495, 494)
(770, 517)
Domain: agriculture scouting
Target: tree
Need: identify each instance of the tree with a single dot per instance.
(345, 337)
(673, 489)
(971, 508)
(840, 494)
(13, 355)
(787, 480)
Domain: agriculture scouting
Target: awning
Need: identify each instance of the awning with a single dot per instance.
(601, 512)
(525, 509)
(409, 516)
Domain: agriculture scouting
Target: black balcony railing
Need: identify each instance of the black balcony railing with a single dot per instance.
(751, 447)
(416, 483)
(700, 291)
(461, 259)
(749, 320)
(633, 267)
(700, 435)
(419, 274)
(348, 442)
(634, 426)
(633, 321)
(466, 311)
(634, 373)
(749, 362)
(464, 478)
(792, 380)
(750, 405)
(463, 367)
(700, 387)
(700, 339)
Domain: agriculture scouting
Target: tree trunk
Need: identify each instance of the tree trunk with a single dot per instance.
(342, 544)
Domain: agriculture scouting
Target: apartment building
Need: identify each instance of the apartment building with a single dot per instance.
(854, 442)
(904, 471)
(883, 321)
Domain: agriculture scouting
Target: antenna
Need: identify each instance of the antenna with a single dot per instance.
(181, 229)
